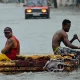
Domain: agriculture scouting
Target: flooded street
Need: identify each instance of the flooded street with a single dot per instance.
(35, 36)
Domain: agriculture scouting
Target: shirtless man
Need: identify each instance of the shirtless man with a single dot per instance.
(62, 36)
(12, 46)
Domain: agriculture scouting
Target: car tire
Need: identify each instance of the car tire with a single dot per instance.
(26, 16)
(47, 16)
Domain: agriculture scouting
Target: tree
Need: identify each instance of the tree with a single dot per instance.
(0, 0)
(77, 3)
(55, 3)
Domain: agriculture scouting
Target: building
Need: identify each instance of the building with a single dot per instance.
(9, 1)
(66, 2)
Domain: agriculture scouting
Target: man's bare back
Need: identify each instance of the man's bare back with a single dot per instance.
(57, 39)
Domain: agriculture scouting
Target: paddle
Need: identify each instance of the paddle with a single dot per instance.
(78, 40)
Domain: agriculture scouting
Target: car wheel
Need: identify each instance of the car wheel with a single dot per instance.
(26, 16)
(47, 16)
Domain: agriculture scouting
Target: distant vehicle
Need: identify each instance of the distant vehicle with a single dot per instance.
(37, 8)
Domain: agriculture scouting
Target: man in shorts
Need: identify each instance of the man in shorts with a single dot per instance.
(62, 36)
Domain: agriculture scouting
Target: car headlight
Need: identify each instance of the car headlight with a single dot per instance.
(29, 10)
(44, 10)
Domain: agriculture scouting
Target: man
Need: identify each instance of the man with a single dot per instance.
(58, 37)
(12, 46)
(62, 36)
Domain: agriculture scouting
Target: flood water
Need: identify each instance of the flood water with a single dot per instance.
(35, 36)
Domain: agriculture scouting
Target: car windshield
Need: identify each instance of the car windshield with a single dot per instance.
(36, 2)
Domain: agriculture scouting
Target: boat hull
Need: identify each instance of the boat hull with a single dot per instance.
(37, 63)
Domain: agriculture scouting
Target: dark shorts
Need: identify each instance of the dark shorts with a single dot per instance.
(63, 50)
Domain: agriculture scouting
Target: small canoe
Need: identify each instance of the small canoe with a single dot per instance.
(36, 63)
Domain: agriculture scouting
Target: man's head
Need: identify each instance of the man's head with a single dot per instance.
(8, 32)
(66, 24)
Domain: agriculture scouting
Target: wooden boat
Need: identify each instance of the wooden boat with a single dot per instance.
(36, 63)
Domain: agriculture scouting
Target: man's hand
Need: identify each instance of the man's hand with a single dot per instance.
(75, 37)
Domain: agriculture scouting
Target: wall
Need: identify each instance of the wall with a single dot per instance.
(66, 2)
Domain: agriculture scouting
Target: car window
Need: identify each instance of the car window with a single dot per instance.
(31, 4)
(37, 3)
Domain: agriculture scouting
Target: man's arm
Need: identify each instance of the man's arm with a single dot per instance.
(74, 38)
(68, 43)
(7, 46)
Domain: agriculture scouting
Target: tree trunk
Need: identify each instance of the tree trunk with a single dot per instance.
(0, 0)
(55, 3)
(77, 3)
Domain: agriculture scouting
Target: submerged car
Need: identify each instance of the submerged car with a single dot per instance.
(37, 8)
